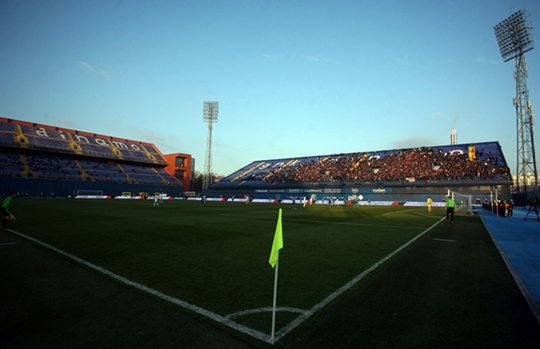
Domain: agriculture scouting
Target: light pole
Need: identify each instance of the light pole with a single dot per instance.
(210, 115)
(514, 39)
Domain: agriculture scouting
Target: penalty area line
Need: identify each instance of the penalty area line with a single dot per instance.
(194, 308)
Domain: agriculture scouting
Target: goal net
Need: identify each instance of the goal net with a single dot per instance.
(87, 192)
(463, 202)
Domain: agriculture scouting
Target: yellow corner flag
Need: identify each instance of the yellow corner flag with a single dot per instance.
(278, 242)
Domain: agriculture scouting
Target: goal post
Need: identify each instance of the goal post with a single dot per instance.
(463, 201)
(89, 192)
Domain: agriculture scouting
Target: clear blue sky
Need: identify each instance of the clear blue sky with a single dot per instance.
(292, 77)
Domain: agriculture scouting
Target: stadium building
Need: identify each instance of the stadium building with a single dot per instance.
(43, 160)
(388, 176)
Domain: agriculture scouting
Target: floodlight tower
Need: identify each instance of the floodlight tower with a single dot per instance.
(210, 115)
(514, 36)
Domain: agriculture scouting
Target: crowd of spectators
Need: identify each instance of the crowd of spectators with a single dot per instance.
(408, 165)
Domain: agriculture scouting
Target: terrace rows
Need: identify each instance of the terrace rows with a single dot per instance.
(24, 136)
(480, 161)
(62, 167)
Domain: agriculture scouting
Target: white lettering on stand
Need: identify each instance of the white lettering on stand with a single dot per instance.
(40, 131)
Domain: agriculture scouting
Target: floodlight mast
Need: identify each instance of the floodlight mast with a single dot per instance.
(210, 115)
(514, 36)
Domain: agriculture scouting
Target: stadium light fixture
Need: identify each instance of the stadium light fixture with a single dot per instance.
(210, 115)
(210, 111)
(514, 36)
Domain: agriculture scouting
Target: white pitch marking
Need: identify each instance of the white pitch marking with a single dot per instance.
(445, 240)
(204, 312)
(8, 244)
(299, 320)
(226, 319)
(264, 310)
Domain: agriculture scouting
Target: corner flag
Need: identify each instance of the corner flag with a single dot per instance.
(278, 242)
(274, 262)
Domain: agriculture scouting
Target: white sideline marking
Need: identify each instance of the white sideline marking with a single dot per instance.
(226, 320)
(204, 312)
(8, 244)
(299, 320)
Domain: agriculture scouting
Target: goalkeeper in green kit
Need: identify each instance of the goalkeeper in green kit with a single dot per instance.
(450, 207)
(5, 209)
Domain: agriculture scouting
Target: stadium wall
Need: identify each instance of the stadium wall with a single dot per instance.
(54, 188)
(480, 192)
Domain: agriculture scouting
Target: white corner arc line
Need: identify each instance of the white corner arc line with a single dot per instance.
(201, 311)
(264, 310)
(226, 320)
(299, 320)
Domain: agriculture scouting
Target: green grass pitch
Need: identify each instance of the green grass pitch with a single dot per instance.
(216, 257)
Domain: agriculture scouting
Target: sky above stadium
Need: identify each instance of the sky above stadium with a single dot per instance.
(292, 77)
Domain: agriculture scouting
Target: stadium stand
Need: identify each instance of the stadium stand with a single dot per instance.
(37, 158)
(429, 170)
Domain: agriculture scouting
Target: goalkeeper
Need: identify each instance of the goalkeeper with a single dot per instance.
(450, 207)
(5, 209)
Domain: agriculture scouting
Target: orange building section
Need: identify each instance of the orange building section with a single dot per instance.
(180, 165)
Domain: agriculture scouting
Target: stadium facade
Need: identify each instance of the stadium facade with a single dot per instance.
(44, 160)
(397, 175)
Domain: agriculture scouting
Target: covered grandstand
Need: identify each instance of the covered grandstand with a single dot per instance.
(46, 160)
(388, 175)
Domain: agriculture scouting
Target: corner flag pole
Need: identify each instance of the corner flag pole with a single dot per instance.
(274, 262)
(275, 302)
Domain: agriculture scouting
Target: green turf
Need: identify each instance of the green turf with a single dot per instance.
(448, 289)
(216, 256)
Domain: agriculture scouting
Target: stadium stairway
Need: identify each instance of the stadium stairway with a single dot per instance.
(518, 242)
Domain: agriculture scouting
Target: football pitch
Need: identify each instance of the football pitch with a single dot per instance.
(212, 260)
